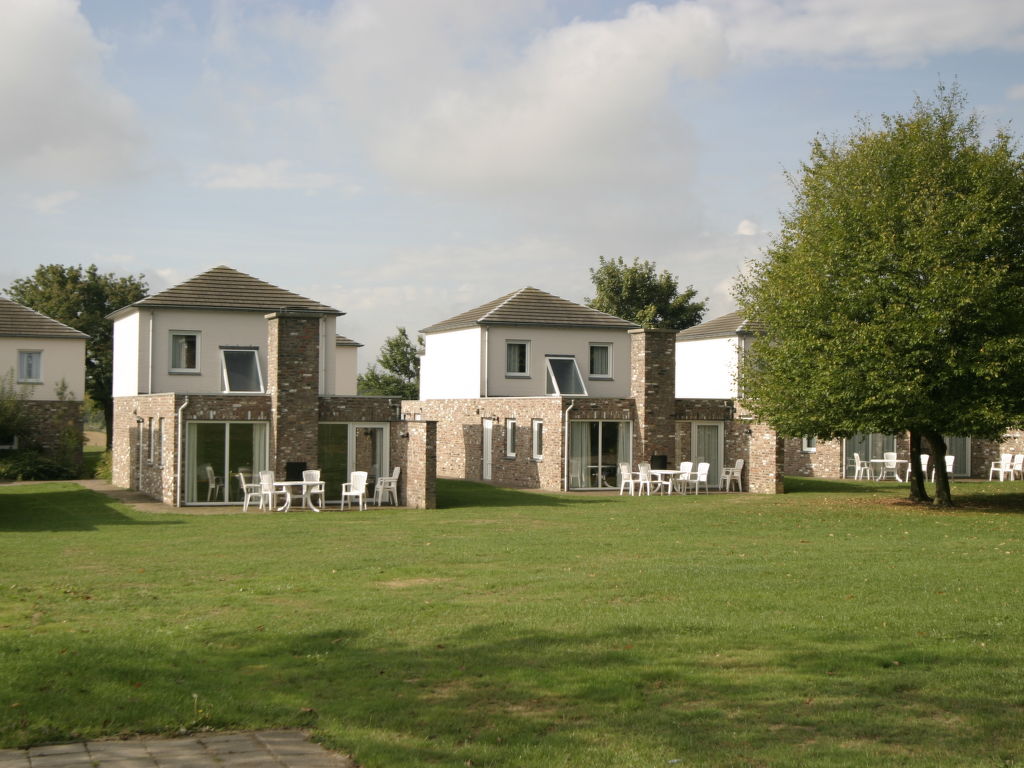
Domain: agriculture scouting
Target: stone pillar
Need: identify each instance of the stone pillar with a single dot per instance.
(293, 382)
(767, 457)
(420, 485)
(653, 388)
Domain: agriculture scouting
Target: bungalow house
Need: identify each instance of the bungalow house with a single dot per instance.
(227, 374)
(707, 362)
(45, 362)
(531, 390)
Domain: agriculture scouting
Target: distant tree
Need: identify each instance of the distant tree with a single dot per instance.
(636, 292)
(398, 374)
(82, 298)
(893, 298)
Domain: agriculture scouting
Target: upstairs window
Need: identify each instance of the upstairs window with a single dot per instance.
(564, 377)
(242, 369)
(184, 352)
(600, 361)
(517, 356)
(30, 367)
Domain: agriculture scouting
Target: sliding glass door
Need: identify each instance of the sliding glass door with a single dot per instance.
(595, 450)
(218, 451)
(347, 448)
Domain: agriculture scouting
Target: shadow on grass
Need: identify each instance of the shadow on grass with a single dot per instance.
(498, 695)
(61, 507)
(452, 494)
(821, 485)
(972, 495)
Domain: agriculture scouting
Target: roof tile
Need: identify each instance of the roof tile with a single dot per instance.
(18, 320)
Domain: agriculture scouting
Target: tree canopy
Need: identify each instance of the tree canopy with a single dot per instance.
(82, 298)
(398, 374)
(893, 297)
(637, 292)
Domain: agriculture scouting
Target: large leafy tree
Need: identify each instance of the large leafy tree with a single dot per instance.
(397, 370)
(893, 298)
(637, 292)
(82, 298)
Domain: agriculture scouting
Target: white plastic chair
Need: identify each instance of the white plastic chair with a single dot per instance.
(949, 467)
(729, 474)
(1003, 467)
(268, 493)
(387, 487)
(626, 478)
(313, 486)
(644, 478)
(214, 483)
(861, 469)
(889, 467)
(698, 477)
(924, 458)
(356, 487)
(250, 492)
(685, 471)
(1017, 467)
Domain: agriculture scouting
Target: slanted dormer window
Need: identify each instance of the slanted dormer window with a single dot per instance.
(517, 358)
(241, 369)
(184, 351)
(564, 377)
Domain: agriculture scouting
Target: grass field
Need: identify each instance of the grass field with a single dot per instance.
(833, 626)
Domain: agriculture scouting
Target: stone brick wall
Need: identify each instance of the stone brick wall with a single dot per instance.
(293, 383)
(652, 387)
(767, 455)
(56, 427)
(414, 448)
(460, 438)
(825, 461)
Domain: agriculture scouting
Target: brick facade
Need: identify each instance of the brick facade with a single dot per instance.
(293, 381)
(652, 387)
(826, 460)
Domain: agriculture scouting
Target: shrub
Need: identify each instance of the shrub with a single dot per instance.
(104, 467)
(31, 465)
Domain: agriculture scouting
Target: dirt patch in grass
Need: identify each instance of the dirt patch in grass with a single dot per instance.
(405, 583)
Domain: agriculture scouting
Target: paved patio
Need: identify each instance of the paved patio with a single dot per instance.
(262, 749)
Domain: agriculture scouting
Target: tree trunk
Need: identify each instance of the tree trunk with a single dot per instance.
(943, 498)
(108, 419)
(916, 474)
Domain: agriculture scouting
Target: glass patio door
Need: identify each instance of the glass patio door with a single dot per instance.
(708, 445)
(218, 451)
(346, 448)
(595, 450)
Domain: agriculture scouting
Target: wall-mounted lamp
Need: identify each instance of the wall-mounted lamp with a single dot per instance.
(404, 435)
(748, 431)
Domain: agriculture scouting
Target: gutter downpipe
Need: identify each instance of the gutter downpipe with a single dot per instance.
(565, 447)
(181, 432)
(149, 384)
(487, 360)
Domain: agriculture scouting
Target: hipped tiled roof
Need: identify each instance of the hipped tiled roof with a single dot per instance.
(732, 324)
(224, 288)
(530, 306)
(18, 320)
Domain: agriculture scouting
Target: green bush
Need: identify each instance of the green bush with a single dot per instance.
(31, 465)
(103, 468)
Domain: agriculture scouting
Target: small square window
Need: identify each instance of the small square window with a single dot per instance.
(810, 444)
(510, 438)
(600, 361)
(242, 370)
(517, 358)
(185, 351)
(30, 367)
(538, 439)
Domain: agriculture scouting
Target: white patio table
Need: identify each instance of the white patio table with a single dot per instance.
(880, 462)
(666, 477)
(299, 488)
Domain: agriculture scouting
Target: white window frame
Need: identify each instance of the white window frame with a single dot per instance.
(199, 352)
(224, 371)
(809, 444)
(152, 440)
(24, 354)
(510, 438)
(537, 444)
(553, 380)
(160, 441)
(11, 446)
(524, 374)
(590, 367)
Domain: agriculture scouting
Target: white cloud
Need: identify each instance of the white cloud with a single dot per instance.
(276, 174)
(747, 228)
(1015, 93)
(63, 120)
(54, 202)
(580, 106)
(893, 34)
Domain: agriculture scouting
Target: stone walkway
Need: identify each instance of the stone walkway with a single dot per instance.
(262, 749)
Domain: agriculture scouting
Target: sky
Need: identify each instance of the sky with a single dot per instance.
(406, 160)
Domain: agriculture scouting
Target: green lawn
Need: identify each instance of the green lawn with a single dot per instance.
(832, 626)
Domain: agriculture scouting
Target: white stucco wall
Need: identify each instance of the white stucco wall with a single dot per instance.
(573, 342)
(345, 370)
(707, 368)
(451, 365)
(128, 364)
(61, 360)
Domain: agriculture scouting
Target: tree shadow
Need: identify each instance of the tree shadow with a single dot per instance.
(823, 485)
(62, 507)
(452, 494)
